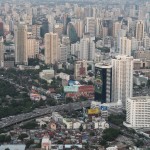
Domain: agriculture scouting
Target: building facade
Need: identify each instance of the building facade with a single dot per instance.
(122, 78)
(138, 114)
(103, 82)
(51, 48)
(21, 44)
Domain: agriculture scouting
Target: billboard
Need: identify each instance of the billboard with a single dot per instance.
(70, 89)
(103, 108)
(94, 111)
(98, 80)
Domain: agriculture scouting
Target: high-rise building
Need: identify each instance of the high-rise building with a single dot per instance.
(87, 49)
(116, 28)
(21, 44)
(80, 69)
(79, 28)
(103, 82)
(139, 30)
(90, 26)
(58, 28)
(63, 53)
(122, 78)
(1, 52)
(125, 46)
(51, 48)
(32, 47)
(36, 31)
(146, 42)
(138, 114)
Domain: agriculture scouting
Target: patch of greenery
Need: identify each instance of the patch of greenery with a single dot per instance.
(110, 134)
(7, 89)
(30, 125)
(117, 119)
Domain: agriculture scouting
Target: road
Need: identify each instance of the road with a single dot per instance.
(11, 120)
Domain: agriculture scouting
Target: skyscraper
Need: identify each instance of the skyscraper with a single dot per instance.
(125, 46)
(116, 28)
(90, 26)
(103, 82)
(139, 30)
(122, 78)
(87, 49)
(21, 44)
(51, 48)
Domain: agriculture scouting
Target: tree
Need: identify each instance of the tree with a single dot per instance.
(30, 125)
(92, 133)
(29, 142)
(103, 142)
(22, 136)
(110, 134)
(148, 83)
(81, 128)
(139, 143)
(69, 100)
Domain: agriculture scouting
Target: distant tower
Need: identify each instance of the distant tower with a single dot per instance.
(21, 44)
(139, 30)
(125, 46)
(90, 26)
(51, 48)
(116, 28)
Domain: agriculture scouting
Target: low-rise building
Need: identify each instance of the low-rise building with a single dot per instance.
(47, 75)
(99, 123)
(112, 148)
(63, 76)
(46, 143)
(140, 79)
(13, 147)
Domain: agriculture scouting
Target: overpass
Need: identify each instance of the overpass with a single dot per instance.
(12, 120)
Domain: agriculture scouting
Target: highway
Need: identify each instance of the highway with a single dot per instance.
(12, 120)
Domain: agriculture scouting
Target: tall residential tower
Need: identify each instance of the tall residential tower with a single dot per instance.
(21, 44)
(122, 78)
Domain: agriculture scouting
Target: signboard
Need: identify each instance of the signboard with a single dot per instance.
(98, 80)
(70, 89)
(93, 111)
(103, 108)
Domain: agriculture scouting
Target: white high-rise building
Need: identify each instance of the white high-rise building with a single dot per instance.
(32, 47)
(125, 46)
(138, 114)
(146, 42)
(122, 78)
(21, 44)
(120, 34)
(87, 49)
(75, 49)
(51, 48)
(90, 26)
(139, 30)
